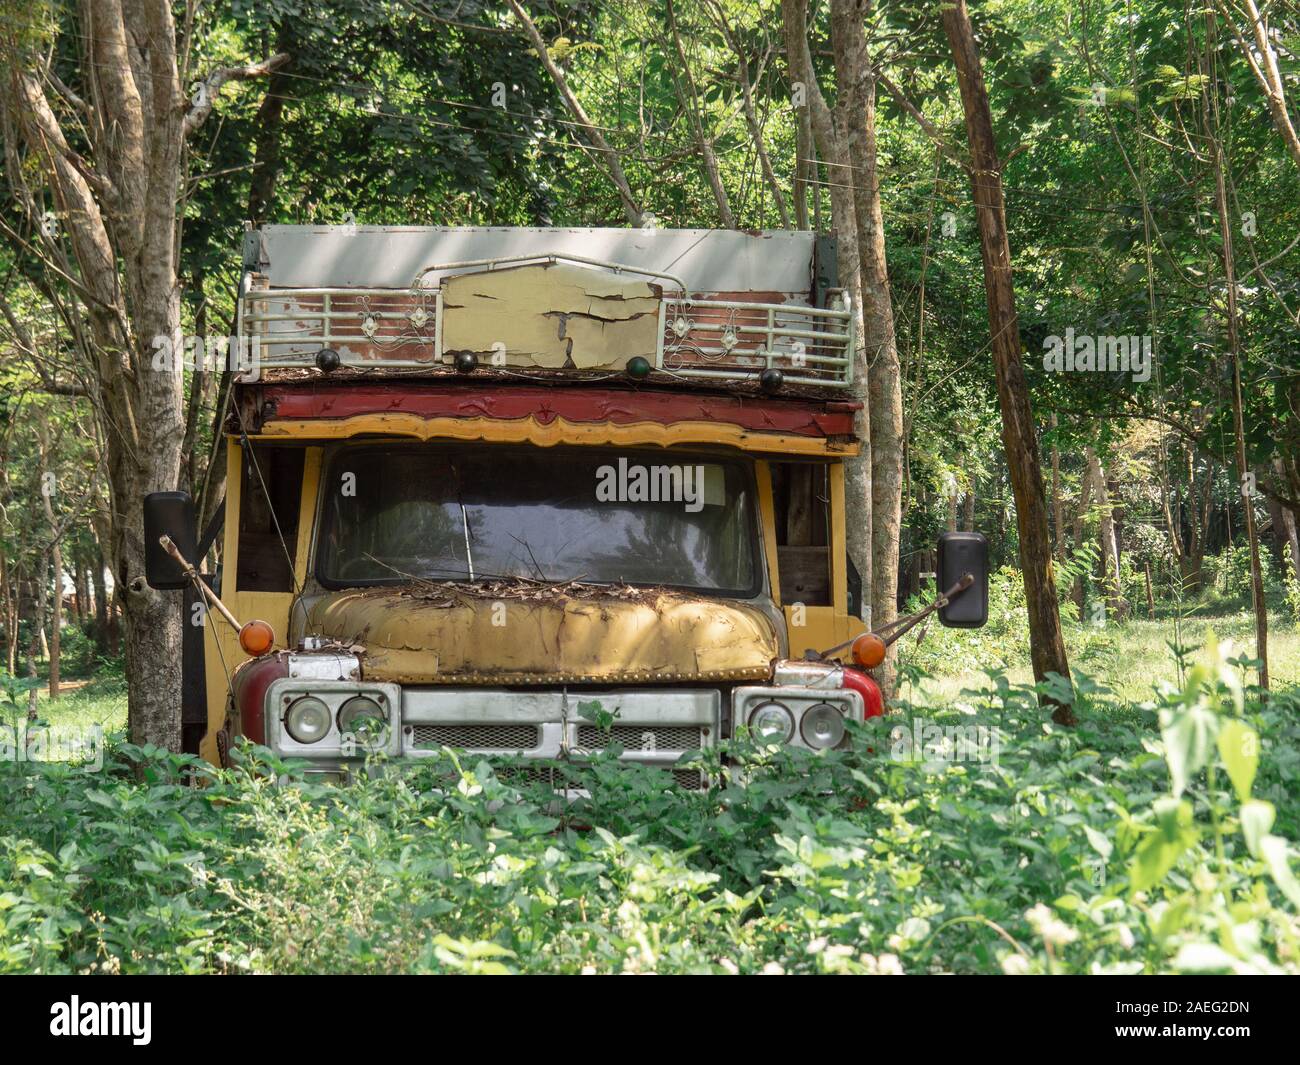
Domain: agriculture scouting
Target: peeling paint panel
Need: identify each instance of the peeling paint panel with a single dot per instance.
(557, 315)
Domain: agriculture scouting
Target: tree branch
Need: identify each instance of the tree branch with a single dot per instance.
(210, 86)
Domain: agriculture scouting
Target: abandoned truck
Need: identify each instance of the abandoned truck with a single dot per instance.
(480, 478)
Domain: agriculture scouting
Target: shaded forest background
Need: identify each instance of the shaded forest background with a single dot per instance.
(1123, 130)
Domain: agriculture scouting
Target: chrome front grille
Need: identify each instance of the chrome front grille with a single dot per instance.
(648, 737)
(486, 737)
(690, 779)
(557, 779)
(653, 727)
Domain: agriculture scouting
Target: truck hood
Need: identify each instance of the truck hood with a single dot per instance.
(457, 637)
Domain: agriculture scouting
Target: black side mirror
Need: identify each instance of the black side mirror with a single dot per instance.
(168, 514)
(961, 553)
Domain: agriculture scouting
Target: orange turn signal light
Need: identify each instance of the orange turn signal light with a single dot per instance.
(868, 650)
(256, 638)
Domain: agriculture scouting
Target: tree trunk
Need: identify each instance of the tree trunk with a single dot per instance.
(37, 644)
(119, 208)
(101, 597)
(53, 553)
(1290, 534)
(1019, 438)
(1057, 516)
(856, 86)
(266, 132)
(827, 132)
(1209, 93)
(600, 147)
(81, 592)
(690, 100)
(1116, 604)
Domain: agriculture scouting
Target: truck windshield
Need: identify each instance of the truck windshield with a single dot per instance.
(545, 514)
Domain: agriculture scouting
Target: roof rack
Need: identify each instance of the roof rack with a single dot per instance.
(697, 336)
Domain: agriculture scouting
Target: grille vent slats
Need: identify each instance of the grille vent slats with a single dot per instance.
(506, 737)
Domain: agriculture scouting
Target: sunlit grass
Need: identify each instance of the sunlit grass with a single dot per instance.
(101, 702)
(1132, 657)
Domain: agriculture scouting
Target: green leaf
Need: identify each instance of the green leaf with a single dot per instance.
(1100, 843)
(1187, 737)
(1160, 850)
(1239, 749)
(1273, 850)
(1256, 820)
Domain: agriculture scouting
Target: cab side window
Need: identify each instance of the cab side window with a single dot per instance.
(270, 497)
(801, 498)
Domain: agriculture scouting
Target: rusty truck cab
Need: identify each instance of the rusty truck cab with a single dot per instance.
(476, 478)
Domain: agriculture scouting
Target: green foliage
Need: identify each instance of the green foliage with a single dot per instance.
(1229, 573)
(1109, 848)
(1291, 590)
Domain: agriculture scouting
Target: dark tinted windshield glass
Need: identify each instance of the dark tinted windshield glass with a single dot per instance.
(449, 513)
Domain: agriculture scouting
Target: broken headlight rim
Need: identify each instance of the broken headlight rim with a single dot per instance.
(355, 710)
(307, 720)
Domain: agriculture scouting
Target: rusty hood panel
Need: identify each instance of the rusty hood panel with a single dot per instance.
(417, 637)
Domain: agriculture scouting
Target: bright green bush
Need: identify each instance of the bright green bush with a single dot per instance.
(1143, 841)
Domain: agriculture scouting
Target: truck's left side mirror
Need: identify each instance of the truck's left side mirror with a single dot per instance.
(168, 514)
(961, 553)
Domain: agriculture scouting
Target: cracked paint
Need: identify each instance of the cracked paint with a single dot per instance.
(556, 315)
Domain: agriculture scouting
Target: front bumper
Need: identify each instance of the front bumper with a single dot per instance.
(653, 727)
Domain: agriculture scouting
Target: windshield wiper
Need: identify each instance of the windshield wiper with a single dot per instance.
(464, 522)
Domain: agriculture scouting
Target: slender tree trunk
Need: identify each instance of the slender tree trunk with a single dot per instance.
(52, 557)
(81, 594)
(1057, 516)
(805, 168)
(1080, 517)
(600, 148)
(1290, 534)
(1116, 605)
(37, 645)
(827, 130)
(266, 132)
(1019, 435)
(1170, 512)
(856, 86)
(101, 597)
(1215, 147)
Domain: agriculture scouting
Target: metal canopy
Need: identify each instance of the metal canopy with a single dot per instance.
(703, 304)
(706, 260)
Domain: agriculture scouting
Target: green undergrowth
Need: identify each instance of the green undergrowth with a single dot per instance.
(973, 836)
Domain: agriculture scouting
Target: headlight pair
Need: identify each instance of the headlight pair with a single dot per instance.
(307, 720)
(821, 725)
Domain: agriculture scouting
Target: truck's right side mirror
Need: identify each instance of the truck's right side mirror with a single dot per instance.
(170, 514)
(961, 553)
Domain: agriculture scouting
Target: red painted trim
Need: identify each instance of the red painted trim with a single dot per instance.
(801, 417)
(252, 680)
(872, 698)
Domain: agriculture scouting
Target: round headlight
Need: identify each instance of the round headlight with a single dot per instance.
(772, 723)
(364, 720)
(307, 719)
(822, 726)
